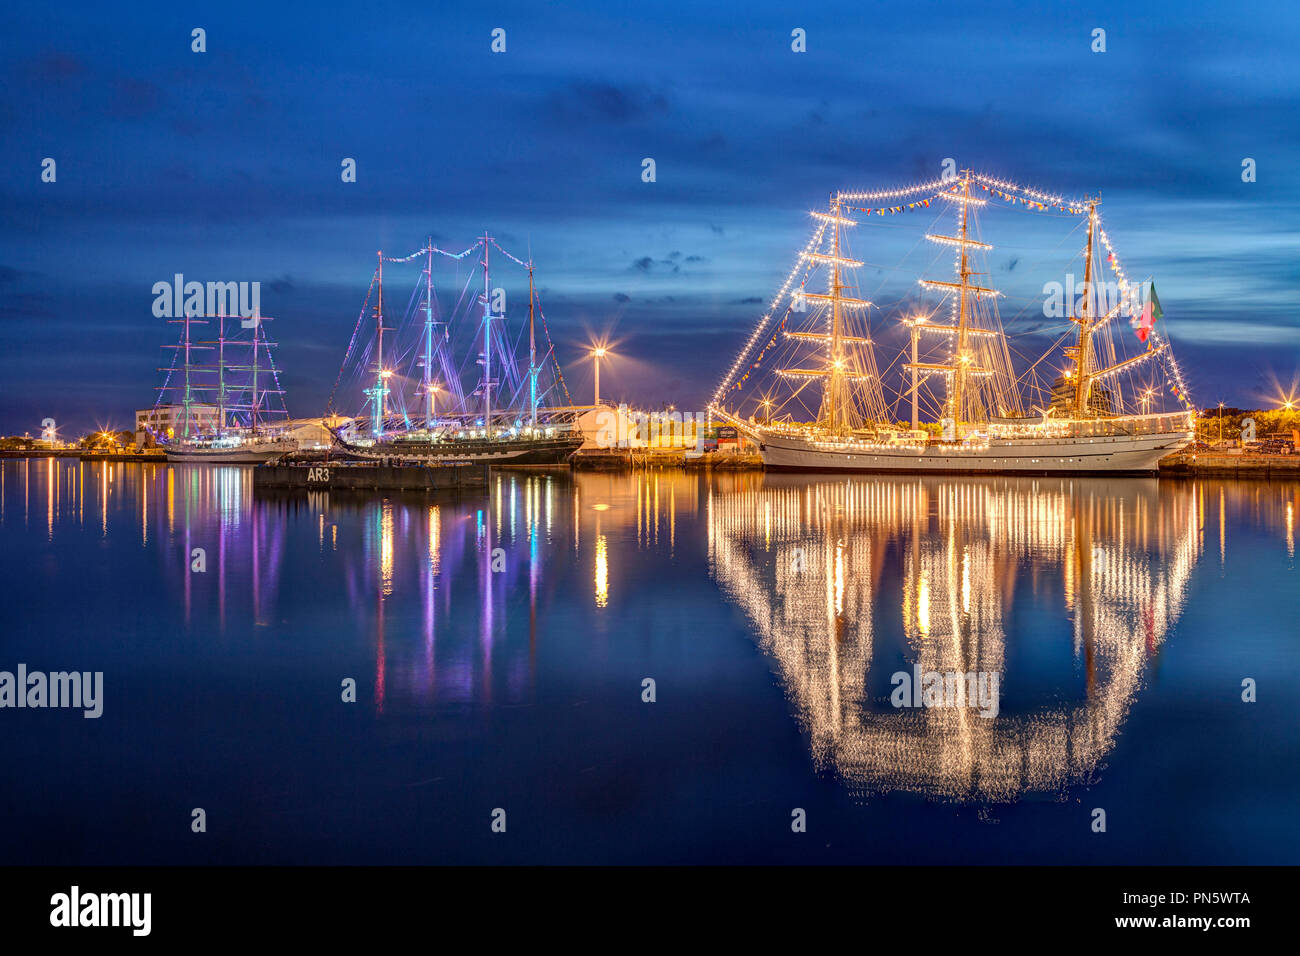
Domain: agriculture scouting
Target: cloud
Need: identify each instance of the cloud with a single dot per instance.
(605, 102)
(8, 274)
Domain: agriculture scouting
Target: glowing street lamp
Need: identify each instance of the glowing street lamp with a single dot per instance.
(434, 389)
(597, 354)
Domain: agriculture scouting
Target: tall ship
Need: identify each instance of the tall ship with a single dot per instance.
(230, 410)
(460, 382)
(1111, 402)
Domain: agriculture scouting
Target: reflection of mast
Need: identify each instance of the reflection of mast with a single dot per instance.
(1125, 554)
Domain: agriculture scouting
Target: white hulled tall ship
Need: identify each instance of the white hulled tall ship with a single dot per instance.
(829, 410)
(231, 412)
(418, 410)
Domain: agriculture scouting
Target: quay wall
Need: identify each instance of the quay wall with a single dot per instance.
(368, 477)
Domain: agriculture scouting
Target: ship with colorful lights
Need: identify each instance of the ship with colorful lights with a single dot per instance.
(1116, 404)
(230, 411)
(417, 408)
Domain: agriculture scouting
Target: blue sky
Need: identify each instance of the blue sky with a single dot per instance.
(225, 166)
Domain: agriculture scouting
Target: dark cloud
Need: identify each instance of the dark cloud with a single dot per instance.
(9, 274)
(605, 102)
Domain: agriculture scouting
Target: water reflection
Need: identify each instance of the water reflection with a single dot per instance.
(1067, 589)
(821, 568)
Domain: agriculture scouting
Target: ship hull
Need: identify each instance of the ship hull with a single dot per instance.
(550, 451)
(251, 455)
(1139, 454)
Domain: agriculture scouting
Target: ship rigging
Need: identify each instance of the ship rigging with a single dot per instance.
(830, 407)
(460, 383)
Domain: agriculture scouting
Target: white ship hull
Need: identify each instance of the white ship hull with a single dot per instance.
(250, 454)
(1106, 454)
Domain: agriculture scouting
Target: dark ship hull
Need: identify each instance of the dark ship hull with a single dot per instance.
(554, 450)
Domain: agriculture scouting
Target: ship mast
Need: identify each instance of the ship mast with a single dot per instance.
(963, 322)
(1079, 352)
(379, 391)
(253, 406)
(428, 337)
(487, 338)
(962, 365)
(189, 400)
(532, 352)
(221, 374)
(835, 402)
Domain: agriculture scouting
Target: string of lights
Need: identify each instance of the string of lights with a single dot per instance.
(442, 252)
(757, 334)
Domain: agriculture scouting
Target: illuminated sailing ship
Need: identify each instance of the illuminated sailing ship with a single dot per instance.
(524, 428)
(245, 395)
(1084, 426)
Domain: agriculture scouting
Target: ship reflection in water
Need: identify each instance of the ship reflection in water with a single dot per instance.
(829, 571)
(499, 641)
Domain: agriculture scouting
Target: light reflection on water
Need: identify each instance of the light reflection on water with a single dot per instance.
(1068, 589)
(820, 568)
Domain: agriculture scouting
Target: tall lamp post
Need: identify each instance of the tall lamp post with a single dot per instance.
(1220, 423)
(597, 354)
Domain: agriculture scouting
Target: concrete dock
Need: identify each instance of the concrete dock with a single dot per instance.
(1211, 465)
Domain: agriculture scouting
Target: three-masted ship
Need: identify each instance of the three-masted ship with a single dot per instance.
(525, 427)
(231, 411)
(1093, 418)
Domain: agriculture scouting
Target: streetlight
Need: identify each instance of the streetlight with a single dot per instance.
(597, 354)
(434, 389)
(1220, 423)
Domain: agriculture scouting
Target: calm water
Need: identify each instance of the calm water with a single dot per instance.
(771, 612)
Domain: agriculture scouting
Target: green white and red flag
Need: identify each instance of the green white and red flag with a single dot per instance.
(1147, 319)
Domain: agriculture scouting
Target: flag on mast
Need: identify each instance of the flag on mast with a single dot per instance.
(1150, 312)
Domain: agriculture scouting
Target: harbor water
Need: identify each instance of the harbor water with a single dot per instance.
(659, 666)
